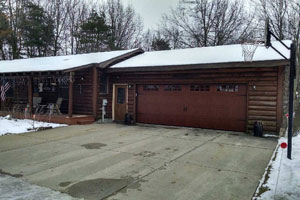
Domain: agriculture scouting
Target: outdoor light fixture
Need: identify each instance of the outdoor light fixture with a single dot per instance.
(254, 87)
(292, 59)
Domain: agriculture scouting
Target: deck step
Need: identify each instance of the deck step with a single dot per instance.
(85, 122)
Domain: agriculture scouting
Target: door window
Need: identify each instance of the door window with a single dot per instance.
(121, 96)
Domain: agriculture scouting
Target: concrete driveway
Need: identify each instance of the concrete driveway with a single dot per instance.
(113, 161)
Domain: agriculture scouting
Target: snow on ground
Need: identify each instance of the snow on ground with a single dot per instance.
(17, 189)
(282, 176)
(17, 126)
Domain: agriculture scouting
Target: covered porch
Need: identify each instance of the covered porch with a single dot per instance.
(60, 89)
(66, 97)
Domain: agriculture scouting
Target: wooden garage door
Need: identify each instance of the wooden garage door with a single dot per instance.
(214, 106)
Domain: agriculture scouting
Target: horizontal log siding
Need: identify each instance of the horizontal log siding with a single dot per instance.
(82, 98)
(262, 101)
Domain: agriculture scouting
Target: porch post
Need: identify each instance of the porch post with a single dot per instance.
(71, 94)
(30, 94)
(95, 91)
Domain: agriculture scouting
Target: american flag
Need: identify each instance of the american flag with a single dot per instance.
(4, 88)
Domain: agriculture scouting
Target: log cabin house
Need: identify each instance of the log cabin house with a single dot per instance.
(208, 87)
(73, 78)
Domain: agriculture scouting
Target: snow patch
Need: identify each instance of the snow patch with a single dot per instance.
(16, 189)
(270, 135)
(18, 126)
(282, 177)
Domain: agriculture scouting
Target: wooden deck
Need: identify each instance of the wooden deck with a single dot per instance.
(59, 119)
(65, 119)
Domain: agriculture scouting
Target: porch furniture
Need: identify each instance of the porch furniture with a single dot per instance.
(41, 109)
(20, 104)
(36, 101)
(55, 108)
(19, 109)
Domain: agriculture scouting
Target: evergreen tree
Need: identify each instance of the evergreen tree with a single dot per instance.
(37, 31)
(93, 35)
(5, 31)
(14, 9)
(4, 35)
(160, 44)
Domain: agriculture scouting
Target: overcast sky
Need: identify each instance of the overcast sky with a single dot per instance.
(151, 10)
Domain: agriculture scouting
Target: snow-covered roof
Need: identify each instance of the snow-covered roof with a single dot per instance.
(203, 55)
(59, 63)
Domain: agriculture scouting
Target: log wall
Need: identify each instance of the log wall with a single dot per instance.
(82, 92)
(264, 89)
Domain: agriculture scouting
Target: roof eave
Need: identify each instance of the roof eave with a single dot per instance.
(109, 62)
(104, 64)
(269, 63)
(120, 58)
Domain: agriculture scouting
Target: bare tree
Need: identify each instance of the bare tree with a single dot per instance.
(77, 13)
(15, 9)
(3, 5)
(277, 13)
(154, 41)
(284, 19)
(126, 25)
(206, 23)
(173, 34)
(58, 10)
(147, 40)
(283, 15)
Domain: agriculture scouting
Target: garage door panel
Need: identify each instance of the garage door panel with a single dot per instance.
(216, 123)
(233, 107)
(160, 102)
(222, 107)
(215, 109)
